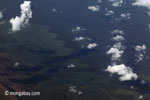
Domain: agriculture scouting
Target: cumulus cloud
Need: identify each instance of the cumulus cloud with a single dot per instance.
(73, 89)
(116, 51)
(109, 12)
(141, 50)
(79, 38)
(118, 38)
(116, 3)
(117, 31)
(71, 66)
(127, 15)
(21, 21)
(91, 45)
(94, 8)
(143, 3)
(139, 57)
(125, 72)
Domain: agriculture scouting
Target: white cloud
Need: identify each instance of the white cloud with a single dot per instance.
(91, 45)
(71, 66)
(1, 14)
(116, 51)
(140, 48)
(99, 1)
(149, 27)
(117, 31)
(16, 64)
(127, 15)
(140, 97)
(54, 10)
(109, 12)
(116, 3)
(79, 38)
(140, 57)
(94, 8)
(23, 20)
(143, 3)
(78, 29)
(73, 89)
(125, 72)
(142, 82)
(118, 38)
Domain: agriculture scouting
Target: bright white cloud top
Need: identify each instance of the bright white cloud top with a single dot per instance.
(94, 8)
(143, 3)
(116, 52)
(20, 21)
(140, 48)
(91, 45)
(125, 72)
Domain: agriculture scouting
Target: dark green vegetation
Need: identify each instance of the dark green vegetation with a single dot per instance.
(43, 61)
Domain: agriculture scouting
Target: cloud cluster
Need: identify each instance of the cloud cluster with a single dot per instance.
(141, 50)
(143, 3)
(21, 21)
(125, 72)
(127, 15)
(116, 52)
(116, 3)
(117, 49)
(94, 8)
(109, 12)
(73, 89)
